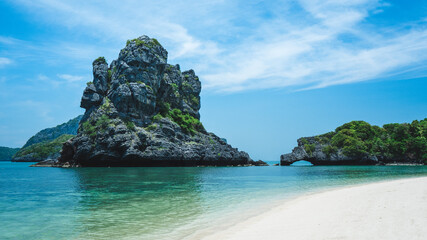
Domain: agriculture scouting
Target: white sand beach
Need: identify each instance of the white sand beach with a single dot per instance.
(387, 210)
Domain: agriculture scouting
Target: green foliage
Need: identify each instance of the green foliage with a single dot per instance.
(91, 129)
(329, 150)
(89, 83)
(168, 68)
(164, 108)
(175, 87)
(150, 44)
(157, 117)
(146, 85)
(106, 106)
(99, 60)
(304, 141)
(155, 41)
(358, 138)
(46, 148)
(151, 127)
(309, 149)
(130, 125)
(6, 153)
(362, 130)
(194, 100)
(187, 123)
(110, 74)
(187, 86)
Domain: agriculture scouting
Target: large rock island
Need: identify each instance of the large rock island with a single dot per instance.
(359, 143)
(142, 111)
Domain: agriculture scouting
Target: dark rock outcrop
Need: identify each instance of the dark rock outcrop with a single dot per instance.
(141, 111)
(259, 163)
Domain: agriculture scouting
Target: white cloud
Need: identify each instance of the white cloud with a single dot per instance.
(70, 78)
(5, 61)
(233, 46)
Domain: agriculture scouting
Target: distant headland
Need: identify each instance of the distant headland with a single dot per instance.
(359, 143)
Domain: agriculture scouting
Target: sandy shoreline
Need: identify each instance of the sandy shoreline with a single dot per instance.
(387, 210)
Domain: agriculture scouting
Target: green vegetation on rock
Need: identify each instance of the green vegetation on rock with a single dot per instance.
(175, 87)
(188, 123)
(194, 100)
(395, 141)
(329, 150)
(130, 125)
(99, 60)
(106, 106)
(150, 44)
(110, 74)
(92, 128)
(309, 149)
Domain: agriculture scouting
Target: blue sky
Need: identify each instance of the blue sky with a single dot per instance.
(271, 71)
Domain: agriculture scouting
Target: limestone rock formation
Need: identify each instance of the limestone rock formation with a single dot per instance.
(142, 111)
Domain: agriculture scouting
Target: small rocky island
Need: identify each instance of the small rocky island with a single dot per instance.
(142, 111)
(359, 143)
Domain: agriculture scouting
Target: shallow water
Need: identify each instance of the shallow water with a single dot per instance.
(157, 203)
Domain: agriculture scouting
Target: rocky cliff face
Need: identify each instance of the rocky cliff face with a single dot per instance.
(141, 111)
(359, 143)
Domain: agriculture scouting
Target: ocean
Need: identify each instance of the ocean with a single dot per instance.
(158, 203)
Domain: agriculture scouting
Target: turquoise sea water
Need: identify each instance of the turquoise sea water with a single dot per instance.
(158, 203)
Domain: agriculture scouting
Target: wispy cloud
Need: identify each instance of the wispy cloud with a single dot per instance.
(70, 78)
(5, 61)
(238, 46)
(62, 80)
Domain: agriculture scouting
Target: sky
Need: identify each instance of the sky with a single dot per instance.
(271, 71)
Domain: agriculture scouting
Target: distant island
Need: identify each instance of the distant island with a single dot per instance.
(7, 153)
(359, 143)
(47, 143)
(141, 111)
